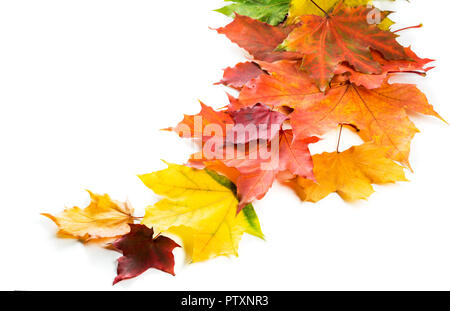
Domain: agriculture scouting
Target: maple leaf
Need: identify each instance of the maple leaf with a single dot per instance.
(103, 218)
(286, 85)
(307, 7)
(258, 38)
(380, 115)
(141, 252)
(255, 167)
(272, 12)
(199, 206)
(254, 227)
(350, 173)
(238, 76)
(253, 123)
(342, 36)
(205, 125)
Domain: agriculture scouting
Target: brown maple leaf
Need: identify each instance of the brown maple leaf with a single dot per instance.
(380, 115)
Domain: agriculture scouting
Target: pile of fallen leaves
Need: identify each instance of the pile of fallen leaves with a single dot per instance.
(314, 67)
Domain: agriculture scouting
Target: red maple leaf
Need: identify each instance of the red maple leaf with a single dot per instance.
(344, 35)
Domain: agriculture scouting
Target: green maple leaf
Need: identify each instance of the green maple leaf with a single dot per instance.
(271, 12)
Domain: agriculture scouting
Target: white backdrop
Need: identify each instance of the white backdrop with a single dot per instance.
(85, 86)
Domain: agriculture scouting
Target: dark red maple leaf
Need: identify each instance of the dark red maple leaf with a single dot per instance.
(415, 65)
(141, 252)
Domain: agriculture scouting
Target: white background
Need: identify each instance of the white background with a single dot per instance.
(85, 86)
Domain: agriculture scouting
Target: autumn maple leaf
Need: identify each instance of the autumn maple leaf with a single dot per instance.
(272, 12)
(200, 208)
(415, 65)
(258, 38)
(343, 35)
(239, 75)
(295, 156)
(141, 252)
(350, 173)
(102, 219)
(254, 168)
(320, 7)
(258, 173)
(380, 115)
(286, 85)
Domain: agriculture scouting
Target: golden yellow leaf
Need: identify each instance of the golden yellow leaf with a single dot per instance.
(102, 219)
(200, 208)
(350, 173)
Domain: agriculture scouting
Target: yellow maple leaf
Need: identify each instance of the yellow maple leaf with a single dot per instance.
(350, 173)
(200, 207)
(306, 7)
(102, 219)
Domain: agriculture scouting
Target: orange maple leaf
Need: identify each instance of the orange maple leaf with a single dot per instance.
(286, 85)
(344, 35)
(258, 38)
(206, 124)
(350, 173)
(379, 115)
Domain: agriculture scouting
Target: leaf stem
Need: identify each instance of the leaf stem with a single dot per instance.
(339, 139)
(326, 14)
(423, 74)
(410, 27)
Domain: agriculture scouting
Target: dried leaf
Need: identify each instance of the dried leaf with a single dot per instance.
(258, 38)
